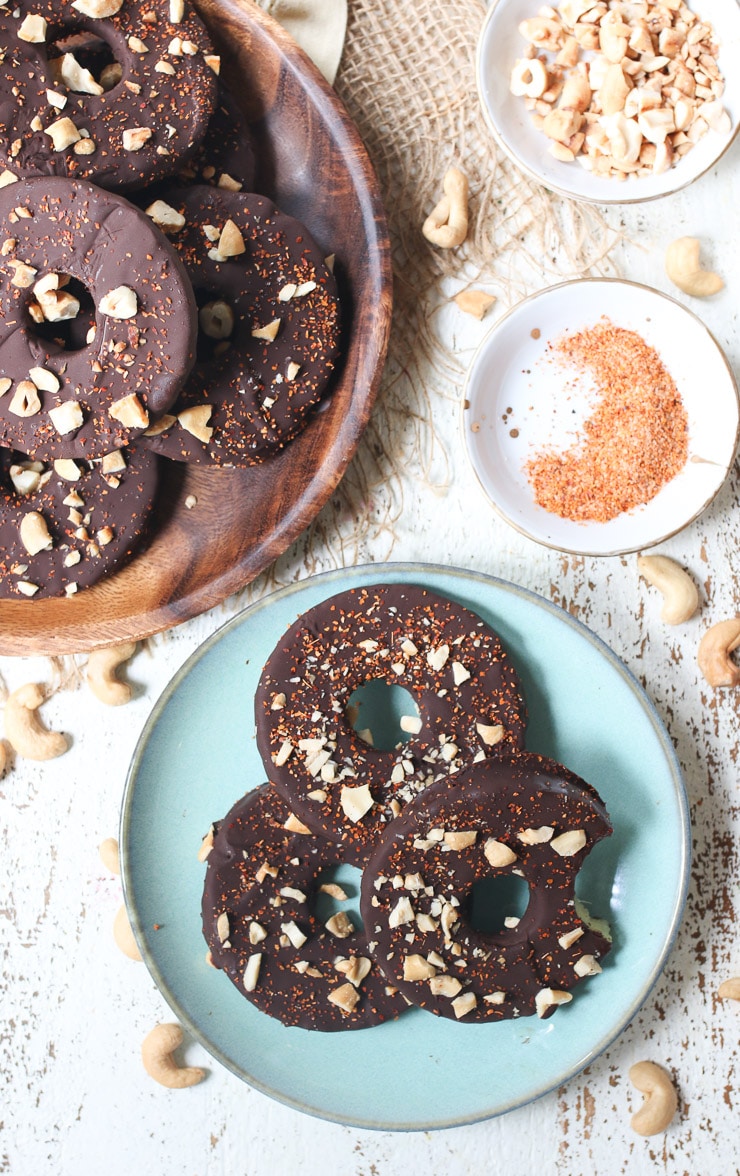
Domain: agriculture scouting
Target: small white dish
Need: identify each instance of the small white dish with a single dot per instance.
(514, 406)
(501, 44)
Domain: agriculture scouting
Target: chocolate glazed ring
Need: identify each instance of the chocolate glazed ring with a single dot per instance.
(122, 124)
(521, 815)
(66, 525)
(453, 665)
(260, 923)
(97, 320)
(269, 328)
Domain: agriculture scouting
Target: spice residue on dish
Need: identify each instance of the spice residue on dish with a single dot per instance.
(634, 440)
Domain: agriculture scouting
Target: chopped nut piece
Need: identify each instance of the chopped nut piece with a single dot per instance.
(569, 938)
(34, 533)
(26, 588)
(283, 753)
(230, 242)
(216, 319)
(416, 968)
(569, 843)
(113, 462)
(546, 998)
(32, 29)
(535, 836)
(120, 303)
(495, 998)
(252, 972)
(25, 402)
(45, 380)
(333, 890)
(356, 802)
(98, 9)
(195, 421)
(339, 925)
(164, 67)
(490, 735)
(464, 1004)
(356, 968)
(403, 912)
(74, 76)
(67, 469)
(294, 933)
(134, 138)
(293, 825)
(165, 422)
(213, 61)
(437, 658)
(228, 183)
(165, 217)
(586, 965)
(206, 845)
(130, 412)
(497, 854)
(459, 673)
(257, 933)
(293, 370)
(412, 724)
(444, 986)
(268, 332)
(462, 840)
(63, 133)
(345, 997)
(223, 928)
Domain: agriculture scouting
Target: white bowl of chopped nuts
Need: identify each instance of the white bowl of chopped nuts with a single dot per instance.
(615, 101)
(600, 417)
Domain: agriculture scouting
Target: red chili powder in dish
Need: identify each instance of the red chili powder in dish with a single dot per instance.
(634, 441)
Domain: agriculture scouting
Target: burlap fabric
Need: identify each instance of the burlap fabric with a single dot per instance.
(407, 77)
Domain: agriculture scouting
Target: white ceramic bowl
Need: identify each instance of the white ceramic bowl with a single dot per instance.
(500, 45)
(514, 406)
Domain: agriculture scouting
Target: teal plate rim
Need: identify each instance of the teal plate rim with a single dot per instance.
(151, 946)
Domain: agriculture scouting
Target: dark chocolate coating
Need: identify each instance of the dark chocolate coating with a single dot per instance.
(294, 983)
(227, 148)
(259, 400)
(355, 637)
(494, 800)
(103, 521)
(174, 107)
(103, 242)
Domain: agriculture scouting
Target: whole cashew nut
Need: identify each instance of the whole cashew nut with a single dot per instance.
(447, 224)
(714, 651)
(684, 269)
(660, 1102)
(157, 1049)
(25, 731)
(680, 593)
(101, 673)
(729, 989)
(108, 851)
(124, 936)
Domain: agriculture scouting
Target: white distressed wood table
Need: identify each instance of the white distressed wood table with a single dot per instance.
(74, 1098)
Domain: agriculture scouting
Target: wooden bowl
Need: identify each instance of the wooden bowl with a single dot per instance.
(314, 166)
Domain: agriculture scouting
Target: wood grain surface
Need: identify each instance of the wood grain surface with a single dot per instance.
(312, 163)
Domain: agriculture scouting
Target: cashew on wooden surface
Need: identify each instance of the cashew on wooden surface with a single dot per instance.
(124, 936)
(683, 266)
(102, 666)
(680, 593)
(157, 1051)
(715, 648)
(661, 1100)
(447, 224)
(25, 732)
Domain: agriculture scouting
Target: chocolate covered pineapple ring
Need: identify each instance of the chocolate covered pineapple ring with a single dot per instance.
(259, 919)
(521, 815)
(119, 127)
(66, 524)
(451, 662)
(79, 382)
(269, 328)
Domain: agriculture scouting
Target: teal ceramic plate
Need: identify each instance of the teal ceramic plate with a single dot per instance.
(197, 755)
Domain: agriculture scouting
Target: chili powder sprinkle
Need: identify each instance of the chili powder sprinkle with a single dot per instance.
(634, 441)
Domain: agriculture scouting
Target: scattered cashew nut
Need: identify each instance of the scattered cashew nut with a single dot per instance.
(124, 936)
(715, 648)
(108, 851)
(447, 224)
(25, 731)
(729, 989)
(660, 1102)
(680, 593)
(157, 1049)
(684, 269)
(101, 673)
